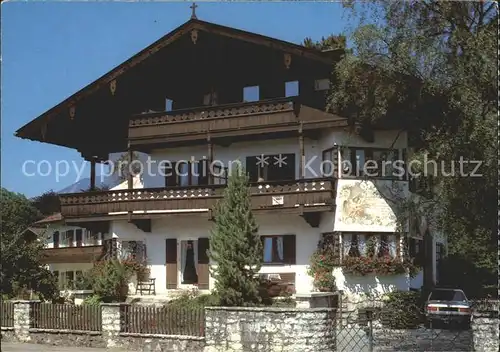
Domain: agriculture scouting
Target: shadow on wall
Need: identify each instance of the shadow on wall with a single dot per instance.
(371, 284)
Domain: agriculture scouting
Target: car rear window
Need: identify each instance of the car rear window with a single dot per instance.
(447, 295)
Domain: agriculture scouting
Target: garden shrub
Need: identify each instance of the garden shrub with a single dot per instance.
(93, 300)
(109, 280)
(402, 310)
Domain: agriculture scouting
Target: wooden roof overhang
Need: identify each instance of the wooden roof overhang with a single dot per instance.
(188, 60)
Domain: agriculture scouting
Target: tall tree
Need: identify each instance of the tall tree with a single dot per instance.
(235, 246)
(331, 42)
(430, 67)
(48, 203)
(21, 268)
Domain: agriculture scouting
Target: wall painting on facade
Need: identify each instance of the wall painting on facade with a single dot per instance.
(368, 205)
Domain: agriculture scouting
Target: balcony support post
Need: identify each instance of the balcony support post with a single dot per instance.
(92, 174)
(301, 153)
(130, 177)
(210, 160)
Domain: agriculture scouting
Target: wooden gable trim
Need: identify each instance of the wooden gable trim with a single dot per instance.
(169, 38)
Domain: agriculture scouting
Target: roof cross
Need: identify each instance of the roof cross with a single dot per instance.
(193, 11)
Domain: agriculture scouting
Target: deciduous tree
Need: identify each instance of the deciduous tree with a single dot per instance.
(430, 67)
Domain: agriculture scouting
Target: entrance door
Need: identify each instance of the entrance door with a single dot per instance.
(188, 260)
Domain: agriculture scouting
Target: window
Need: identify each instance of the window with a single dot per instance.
(251, 94)
(187, 173)
(273, 249)
(169, 104)
(440, 254)
(369, 245)
(220, 175)
(66, 280)
(189, 261)
(322, 84)
(416, 250)
(79, 237)
(210, 99)
(92, 239)
(67, 240)
(447, 295)
(55, 237)
(371, 162)
(280, 167)
(291, 89)
(330, 162)
(279, 249)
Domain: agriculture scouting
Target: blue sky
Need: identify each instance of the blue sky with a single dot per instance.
(50, 50)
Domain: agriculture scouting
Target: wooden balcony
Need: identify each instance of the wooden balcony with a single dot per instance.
(302, 196)
(242, 119)
(85, 254)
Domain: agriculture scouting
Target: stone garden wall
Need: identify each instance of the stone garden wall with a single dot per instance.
(215, 329)
(485, 327)
(223, 329)
(270, 329)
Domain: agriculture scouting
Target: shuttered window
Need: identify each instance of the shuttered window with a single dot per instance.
(202, 265)
(171, 262)
(280, 249)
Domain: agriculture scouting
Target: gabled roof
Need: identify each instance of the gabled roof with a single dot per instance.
(192, 24)
(49, 219)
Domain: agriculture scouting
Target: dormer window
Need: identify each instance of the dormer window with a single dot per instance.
(210, 99)
(251, 94)
(322, 84)
(291, 89)
(169, 103)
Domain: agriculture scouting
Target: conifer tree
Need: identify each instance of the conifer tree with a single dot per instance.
(235, 246)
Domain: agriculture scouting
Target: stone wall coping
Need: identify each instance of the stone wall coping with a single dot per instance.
(65, 331)
(161, 336)
(486, 314)
(272, 309)
(7, 328)
(315, 294)
(119, 304)
(17, 301)
(80, 292)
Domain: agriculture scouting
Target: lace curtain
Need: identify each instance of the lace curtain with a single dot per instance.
(346, 244)
(392, 245)
(183, 255)
(279, 247)
(362, 247)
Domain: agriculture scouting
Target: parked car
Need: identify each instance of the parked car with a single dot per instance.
(446, 305)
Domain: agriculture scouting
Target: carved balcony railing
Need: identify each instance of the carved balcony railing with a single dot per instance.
(252, 118)
(302, 195)
(219, 119)
(84, 254)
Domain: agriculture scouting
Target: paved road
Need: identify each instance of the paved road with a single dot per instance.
(31, 347)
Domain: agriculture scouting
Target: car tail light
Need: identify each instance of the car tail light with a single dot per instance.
(464, 310)
(432, 309)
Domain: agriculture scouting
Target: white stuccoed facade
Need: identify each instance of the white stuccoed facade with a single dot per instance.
(193, 226)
